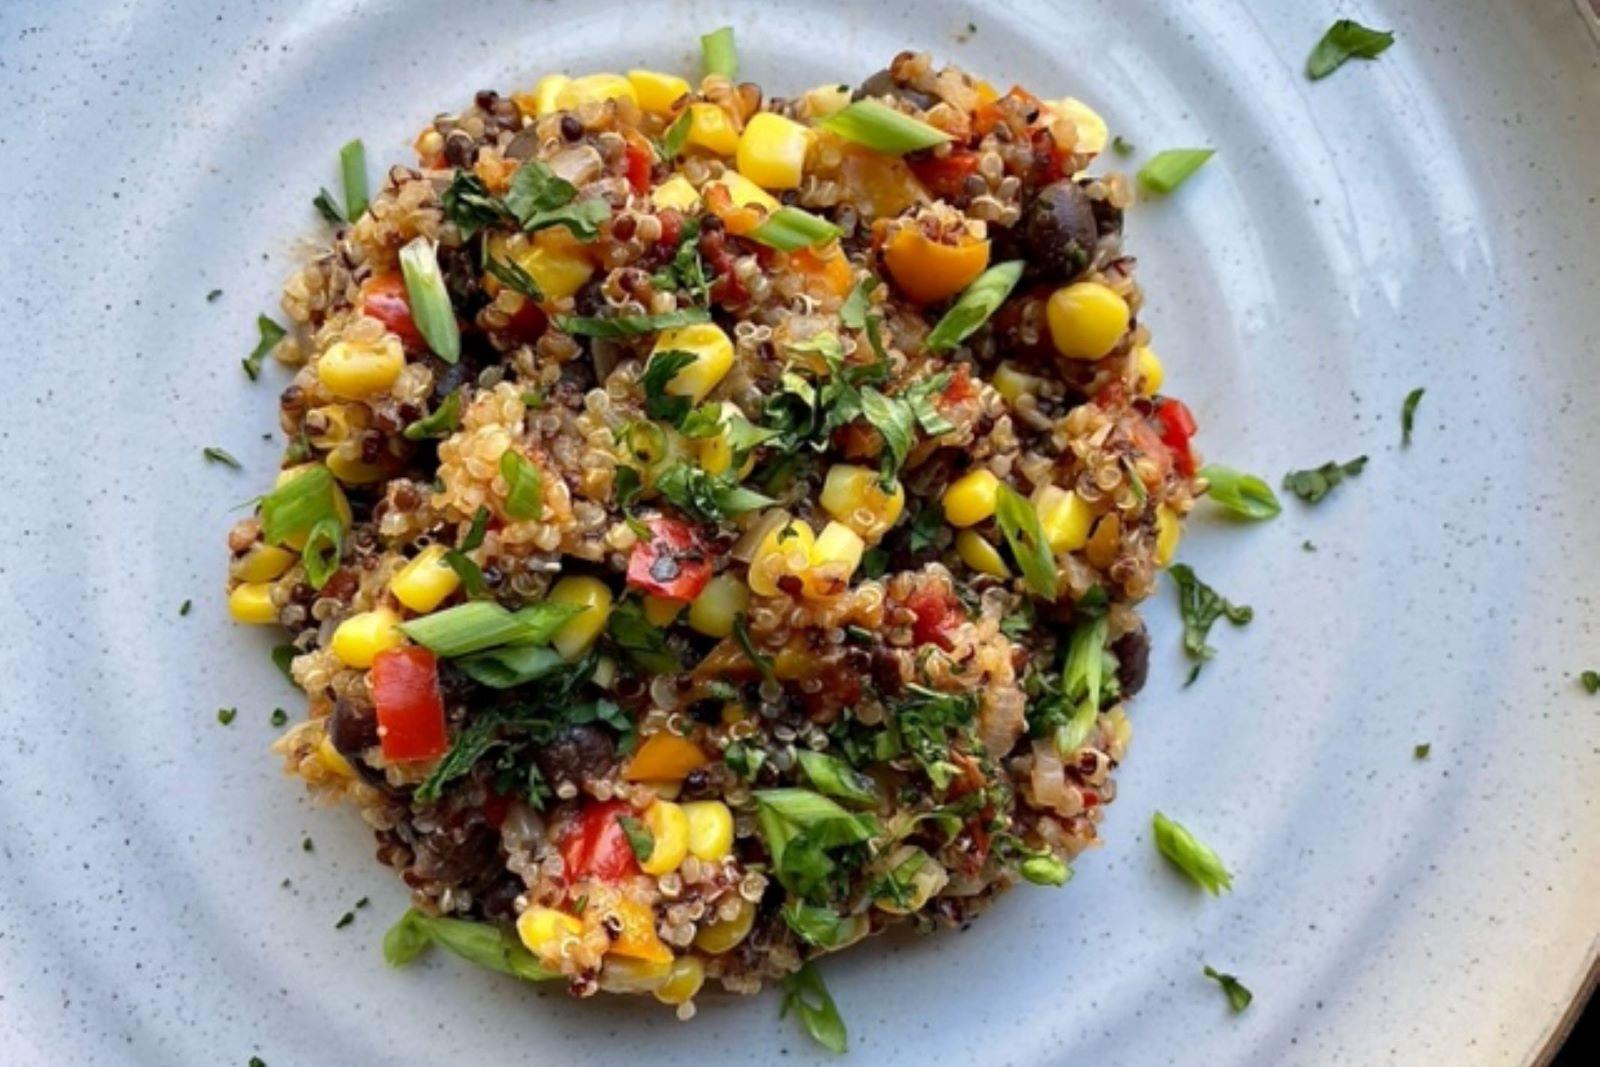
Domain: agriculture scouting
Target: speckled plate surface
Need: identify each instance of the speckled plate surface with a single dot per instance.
(1429, 219)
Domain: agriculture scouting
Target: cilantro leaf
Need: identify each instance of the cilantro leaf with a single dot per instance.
(1312, 485)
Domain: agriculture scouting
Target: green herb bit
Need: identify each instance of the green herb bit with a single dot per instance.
(1238, 996)
(226, 715)
(625, 326)
(481, 943)
(677, 136)
(644, 645)
(511, 275)
(1421, 751)
(805, 992)
(837, 778)
(279, 717)
(640, 839)
(1120, 146)
(217, 455)
(822, 926)
(883, 129)
(976, 304)
(741, 634)
(1019, 522)
(1202, 865)
(306, 845)
(524, 486)
(345, 920)
(1345, 40)
(1168, 169)
(1201, 606)
(442, 422)
(708, 497)
(353, 171)
(186, 607)
(1312, 485)
(1408, 415)
(1241, 495)
(269, 333)
(328, 208)
(213, 296)
(429, 299)
(1590, 681)
(323, 549)
(718, 54)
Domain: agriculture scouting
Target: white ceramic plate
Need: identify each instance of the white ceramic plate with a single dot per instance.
(1429, 219)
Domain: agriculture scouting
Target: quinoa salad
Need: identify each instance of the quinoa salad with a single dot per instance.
(711, 523)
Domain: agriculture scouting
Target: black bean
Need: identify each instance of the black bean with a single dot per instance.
(571, 128)
(353, 728)
(575, 754)
(459, 148)
(1060, 230)
(1132, 650)
(883, 84)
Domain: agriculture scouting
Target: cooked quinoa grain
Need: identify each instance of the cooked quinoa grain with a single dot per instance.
(753, 566)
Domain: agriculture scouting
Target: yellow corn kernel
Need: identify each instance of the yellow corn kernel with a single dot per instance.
(1151, 372)
(855, 496)
(333, 759)
(715, 453)
(620, 974)
(713, 354)
(544, 930)
(772, 151)
(723, 599)
(669, 829)
(252, 603)
(824, 100)
(542, 101)
(355, 371)
(1086, 120)
(424, 582)
(1086, 320)
(1168, 532)
(352, 469)
(732, 713)
(636, 930)
(262, 563)
(971, 498)
(980, 555)
(659, 611)
(557, 262)
(835, 555)
(656, 92)
(580, 631)
(684, 980)
(746, 193)
(785, 550)
(722, 935)
(594, 88)
(711, 129)
(1104, 542)
(360, 638)
(675, 192)
(710, 829)
(1011, 382)
(794, 662)
(1064, 517)
(338, 420)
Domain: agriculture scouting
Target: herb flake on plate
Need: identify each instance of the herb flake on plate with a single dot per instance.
(1316, 483)
(1239, 997)
(1408, 415)
(1345, 40)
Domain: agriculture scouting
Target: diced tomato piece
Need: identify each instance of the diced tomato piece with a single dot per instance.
(1176, 426)
(671, 227)
(383, 297)
(937, 614)
(596, 846)
(495, 809)
(405, 688)
(671, 562)
(960, 387)
(945, 176)
(528, 322)
(639, 159)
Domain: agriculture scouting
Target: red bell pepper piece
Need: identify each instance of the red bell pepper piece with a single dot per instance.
(638, 159)
(936, 615)
(945, 176)
(594, 844)
(383, 297)
(405, 688)
(671, 562)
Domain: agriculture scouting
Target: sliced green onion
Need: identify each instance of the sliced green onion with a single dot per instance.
(1020, 524)
(882, 128)
(979, 300)
(1239, 494)
(328, 208)
(268, 334)
(804, 993)
(430, 300)
(353, 169)
(297, 505)
(630, 325)
(524, 487)
(1203, 866)
(324, 546)
(222, 456)
(718, 54)
(789, 229)
(1167, 170)
(677, 136)
(484, 624)
(837, 778)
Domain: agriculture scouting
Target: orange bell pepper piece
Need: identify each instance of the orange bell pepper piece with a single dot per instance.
(826, 271)
(738, 220)
(665, 757)
(928, 271)
(637, 937)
